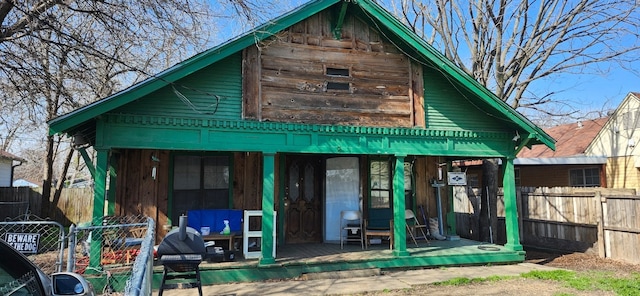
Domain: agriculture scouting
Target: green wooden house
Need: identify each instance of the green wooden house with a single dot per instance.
(336, 105)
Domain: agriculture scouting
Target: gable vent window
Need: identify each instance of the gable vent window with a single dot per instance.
(338, 86)
(338, 72)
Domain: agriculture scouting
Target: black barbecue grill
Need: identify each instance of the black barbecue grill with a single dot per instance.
(181, 252)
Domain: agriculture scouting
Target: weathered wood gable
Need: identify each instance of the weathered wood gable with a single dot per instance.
(304, 74)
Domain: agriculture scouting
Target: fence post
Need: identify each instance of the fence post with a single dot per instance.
(599, 201)
(519, 199)
(71, 260)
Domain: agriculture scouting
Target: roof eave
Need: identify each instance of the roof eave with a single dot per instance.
(66, 122)
(421, 46)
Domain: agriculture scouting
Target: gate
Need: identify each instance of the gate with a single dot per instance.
(41, 241)
(114, 254)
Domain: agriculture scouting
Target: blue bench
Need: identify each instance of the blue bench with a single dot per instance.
(213, 218)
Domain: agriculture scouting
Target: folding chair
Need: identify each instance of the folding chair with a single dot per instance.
(412, 224)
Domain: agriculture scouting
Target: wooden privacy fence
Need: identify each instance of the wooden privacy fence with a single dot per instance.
(600, 220)
(17, 201)
(75, 205)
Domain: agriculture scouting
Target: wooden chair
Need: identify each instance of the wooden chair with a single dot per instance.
(378, 232)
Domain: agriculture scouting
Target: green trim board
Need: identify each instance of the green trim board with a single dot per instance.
(154, 132)
(268, 209)
(376, 14)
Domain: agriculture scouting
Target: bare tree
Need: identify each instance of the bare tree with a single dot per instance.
(56, 56)
(512, 46)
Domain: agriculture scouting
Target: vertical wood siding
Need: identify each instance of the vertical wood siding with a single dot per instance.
(138, 193)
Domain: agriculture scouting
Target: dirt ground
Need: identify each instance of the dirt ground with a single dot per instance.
(522, 286)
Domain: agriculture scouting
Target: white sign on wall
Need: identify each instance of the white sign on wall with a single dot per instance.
(26, 243)
(457, 178)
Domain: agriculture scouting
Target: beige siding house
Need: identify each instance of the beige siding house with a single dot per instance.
(618, 140)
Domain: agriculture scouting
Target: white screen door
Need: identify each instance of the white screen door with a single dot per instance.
(342, 193)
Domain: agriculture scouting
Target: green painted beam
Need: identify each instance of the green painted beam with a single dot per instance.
(113, 179)
(99, 190)
(87, 161)
(337, 31)
(399, 219)
(197, 134)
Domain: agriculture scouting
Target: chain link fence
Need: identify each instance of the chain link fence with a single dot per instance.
(105, 252)
(115, 254)
(42, 241)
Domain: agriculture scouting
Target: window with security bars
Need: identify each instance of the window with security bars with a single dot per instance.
(588, 177)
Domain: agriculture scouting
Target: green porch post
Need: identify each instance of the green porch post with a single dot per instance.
(268, 220)
(399, 232)
(510, 206)
(99, 194)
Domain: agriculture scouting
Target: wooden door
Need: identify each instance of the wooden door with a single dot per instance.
(303, 199)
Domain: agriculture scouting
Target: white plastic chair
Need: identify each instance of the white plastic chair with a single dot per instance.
(351, 223)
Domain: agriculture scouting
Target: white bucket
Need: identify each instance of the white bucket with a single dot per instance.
(205, 230)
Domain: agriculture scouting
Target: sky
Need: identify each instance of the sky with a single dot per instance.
(587, 91)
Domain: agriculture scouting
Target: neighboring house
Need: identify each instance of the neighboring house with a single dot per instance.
(618, 140)
(8, 162)
(334, 106)
(24, 183)
(591, 153)
(567, 166)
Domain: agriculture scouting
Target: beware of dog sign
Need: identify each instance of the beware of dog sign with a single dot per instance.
(26, 243)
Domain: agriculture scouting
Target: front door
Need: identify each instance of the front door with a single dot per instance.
(303, 199)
